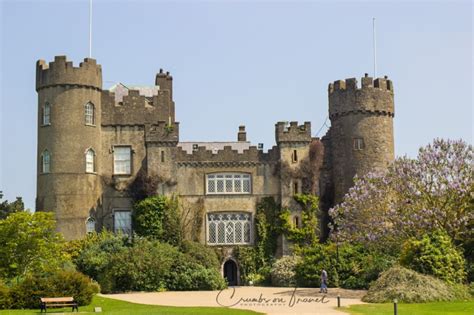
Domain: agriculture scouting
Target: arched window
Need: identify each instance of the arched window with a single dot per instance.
(90, 225)
(45, 162)
(89, 113)
(90, 161)
(46, 114)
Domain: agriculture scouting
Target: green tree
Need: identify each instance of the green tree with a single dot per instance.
(158, 218)
(7, 208)
(29, 243)
(434, 254)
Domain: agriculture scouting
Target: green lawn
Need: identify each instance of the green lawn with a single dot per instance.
(111, 306)
(435, 308)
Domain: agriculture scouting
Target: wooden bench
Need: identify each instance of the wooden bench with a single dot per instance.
(58, 302)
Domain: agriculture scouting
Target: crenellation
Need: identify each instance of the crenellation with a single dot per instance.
(61, 72)
(292, 132)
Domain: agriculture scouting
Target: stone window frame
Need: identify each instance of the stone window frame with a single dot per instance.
(126, 231)
(126, 172)
(88, 162)
(90, 225)
(89, 114)
(46, 114)
(236, 179)
(230, 228)
(45, 162)
(358, 144)
(296, 221)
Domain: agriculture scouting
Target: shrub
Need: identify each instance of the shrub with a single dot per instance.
(411, 287)
(200, 254)
(283, 271)
(189, 275)
(348, 266)
(158, 218)
(96, 251)
(154, 266)
(434, 255)
(27, 293)
(143, 267)
(5, 297)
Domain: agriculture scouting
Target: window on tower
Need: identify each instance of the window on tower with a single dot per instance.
(90, 161)
(358, 143)
(90, 225)
(45, 162)
(89, 113)
(122, 160)
(46, 114)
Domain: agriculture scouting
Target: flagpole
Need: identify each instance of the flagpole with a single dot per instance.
(375, 47)
(90, 28)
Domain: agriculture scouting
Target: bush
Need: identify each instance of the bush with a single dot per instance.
(348, 266)
(189, 275)
(434, 255)
(27, 293)
(154, 266)
(201, 254)
(95, 252)
(283, 271)
(5, 297)
(408, 286)
(143, 267)
(158, 218)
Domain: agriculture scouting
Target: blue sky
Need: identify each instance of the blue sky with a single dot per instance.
(252, 63)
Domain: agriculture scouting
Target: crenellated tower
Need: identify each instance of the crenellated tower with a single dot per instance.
(361, 133)
(69, 141)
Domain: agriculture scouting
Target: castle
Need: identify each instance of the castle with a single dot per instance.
(94, 145)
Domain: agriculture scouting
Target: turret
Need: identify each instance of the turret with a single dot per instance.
(361, 132)
(69, 124)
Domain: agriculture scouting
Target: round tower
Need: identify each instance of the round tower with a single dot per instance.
(69, 142)
(361, 132)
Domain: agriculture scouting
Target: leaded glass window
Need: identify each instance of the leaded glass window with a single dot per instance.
(47, 114)
(228, 183)
(90, 161)
(90, 225)
(231, 228)
(45, 162)
(122, 160)
(123, 221)
(89, 114)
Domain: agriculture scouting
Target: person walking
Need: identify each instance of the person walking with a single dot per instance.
(324, 282)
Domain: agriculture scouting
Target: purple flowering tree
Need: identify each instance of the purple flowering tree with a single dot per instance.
(412, 197)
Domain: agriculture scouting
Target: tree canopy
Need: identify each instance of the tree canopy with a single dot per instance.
(412, 198)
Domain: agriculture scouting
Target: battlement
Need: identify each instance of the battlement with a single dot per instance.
(292, 132)
(162, 133)
(137, 109)
(372, 97)
(226, 156)
(62, 72)
(351, 84)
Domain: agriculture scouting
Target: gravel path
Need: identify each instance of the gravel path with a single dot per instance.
(268, 300)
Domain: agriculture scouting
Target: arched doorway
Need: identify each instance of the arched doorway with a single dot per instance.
(230, 272)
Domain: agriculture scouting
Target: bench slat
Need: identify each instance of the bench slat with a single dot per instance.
(60, 299)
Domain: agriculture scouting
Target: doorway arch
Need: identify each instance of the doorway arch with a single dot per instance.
(230, 272)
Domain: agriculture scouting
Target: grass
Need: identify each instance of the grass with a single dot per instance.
(433, 308)
(111, 306)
